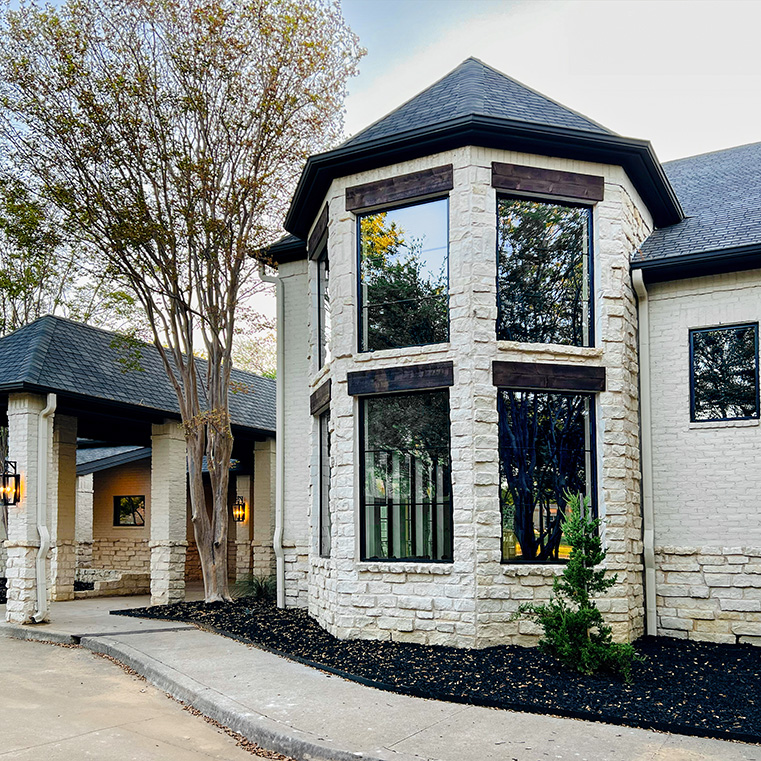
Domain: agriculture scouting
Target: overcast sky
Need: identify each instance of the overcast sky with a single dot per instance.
(685, 75)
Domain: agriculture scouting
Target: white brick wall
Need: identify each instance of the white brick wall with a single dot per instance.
(468, 602)
(706, 476)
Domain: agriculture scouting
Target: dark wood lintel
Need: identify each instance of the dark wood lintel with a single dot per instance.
(545, 376)
(407, 378)
(319, 401)
(403, 187)
(547, 182)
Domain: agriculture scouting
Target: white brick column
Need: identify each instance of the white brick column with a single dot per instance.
(263, 508)
(23, 539)
(84, 516)
(241, 532)
(168, 516)
(62, 498)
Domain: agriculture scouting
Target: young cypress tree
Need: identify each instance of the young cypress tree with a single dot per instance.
(574, 629)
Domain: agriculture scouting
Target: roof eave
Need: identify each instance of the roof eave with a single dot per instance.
(635, 156)
(699, 264)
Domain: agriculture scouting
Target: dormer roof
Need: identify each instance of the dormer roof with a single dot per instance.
(476, 105)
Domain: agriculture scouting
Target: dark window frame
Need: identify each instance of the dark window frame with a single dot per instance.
(594, 487)
(325, 539)
(117, 512)
(323, 262)
(711, 329)
(359, 215)
(362, 497)
(591, 315)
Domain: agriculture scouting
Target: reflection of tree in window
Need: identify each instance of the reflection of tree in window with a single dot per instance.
(543, 273)
(406, 495)
(403, 263)
(545, 454)
(725, 373)
(129, 511)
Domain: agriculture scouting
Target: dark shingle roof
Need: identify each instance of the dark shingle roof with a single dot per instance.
(720, 193)
(474, 88)
(62, 356)
(94, 459)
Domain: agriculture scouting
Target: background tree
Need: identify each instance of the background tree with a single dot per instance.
(169, 135)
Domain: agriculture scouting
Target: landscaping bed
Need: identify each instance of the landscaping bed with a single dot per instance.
(695, 688)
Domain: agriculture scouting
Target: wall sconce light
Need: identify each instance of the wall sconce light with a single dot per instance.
(10, 487)
(239, 510)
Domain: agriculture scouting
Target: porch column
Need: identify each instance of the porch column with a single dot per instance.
(62, 500)
(83, 531)
(263, 508)
(23, 540)
(241, 532)
(168, 513)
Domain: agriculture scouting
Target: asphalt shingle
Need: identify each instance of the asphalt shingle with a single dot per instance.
(720, 193)
(474, 88)
(65, 356)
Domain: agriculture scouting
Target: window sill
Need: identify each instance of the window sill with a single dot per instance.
(514, 570)
(544, 350)
(405, 351)
(434, 568)
(754, 423)
(320, 375)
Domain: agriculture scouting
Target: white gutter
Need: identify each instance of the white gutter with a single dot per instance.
(277, 542)
(43, 441)
(648, 514)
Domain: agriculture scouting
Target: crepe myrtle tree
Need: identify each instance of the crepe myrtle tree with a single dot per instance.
(170, 133)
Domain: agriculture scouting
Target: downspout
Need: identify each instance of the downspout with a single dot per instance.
(648, 515)
(43, 440)
(277, 542)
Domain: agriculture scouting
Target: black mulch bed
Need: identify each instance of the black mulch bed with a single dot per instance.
(685, 687)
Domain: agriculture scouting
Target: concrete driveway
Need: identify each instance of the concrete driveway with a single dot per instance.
(59, 703)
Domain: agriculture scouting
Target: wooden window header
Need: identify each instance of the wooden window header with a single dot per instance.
(319, 234)
(319, 401)
(410, 378)
(541, 376)
(530, 180)
(404, 187)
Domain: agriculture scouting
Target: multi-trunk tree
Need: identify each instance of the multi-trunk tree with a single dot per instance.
(169, 135)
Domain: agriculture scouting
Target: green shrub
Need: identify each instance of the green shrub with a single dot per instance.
(258, 587)
(574, 630)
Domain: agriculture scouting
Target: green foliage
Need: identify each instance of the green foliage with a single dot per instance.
(258, 587)
(574, 630)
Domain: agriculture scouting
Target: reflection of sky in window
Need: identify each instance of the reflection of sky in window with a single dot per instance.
(425, 224)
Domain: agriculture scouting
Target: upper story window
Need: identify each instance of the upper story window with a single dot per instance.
(323, 309)
(404, 276)
(724, 373)
(543, 272)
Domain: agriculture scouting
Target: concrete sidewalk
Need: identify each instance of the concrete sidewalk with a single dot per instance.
(310, 715)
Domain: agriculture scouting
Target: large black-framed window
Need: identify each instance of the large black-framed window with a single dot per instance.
(404, 276)
(724, 381)
(406, 481)
(546, 453)
(324, 484)
(129, 510)
(323, 309)
(544, 272)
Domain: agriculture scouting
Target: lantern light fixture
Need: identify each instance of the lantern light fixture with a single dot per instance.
(10, 487)
(239, 510)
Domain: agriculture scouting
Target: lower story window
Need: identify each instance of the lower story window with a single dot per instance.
(324, 481)
(406, 498)
(129, 511)
(545, 453)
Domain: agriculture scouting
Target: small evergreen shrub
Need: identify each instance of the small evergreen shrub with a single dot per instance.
(574, 630)
(258, 587)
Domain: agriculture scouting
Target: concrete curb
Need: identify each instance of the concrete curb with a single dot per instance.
(254, 726)
(32, 634)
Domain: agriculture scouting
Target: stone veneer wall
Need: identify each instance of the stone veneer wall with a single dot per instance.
(121, 554)
(469, 602)
(706, 475)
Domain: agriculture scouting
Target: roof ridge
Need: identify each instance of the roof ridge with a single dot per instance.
(711, 153)
(41, 347)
